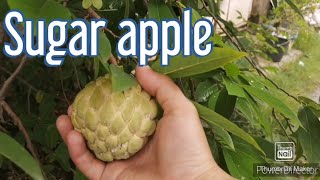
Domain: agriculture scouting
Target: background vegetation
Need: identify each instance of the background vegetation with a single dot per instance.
(245, 108)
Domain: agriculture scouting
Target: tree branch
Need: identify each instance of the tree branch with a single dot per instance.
(282, 127)
(240, 47)
(3, 129)
(113, 60)
(19, 78)
(6, 85)
(62, 88)
(95, 15)
(65, 3)
(17, 121)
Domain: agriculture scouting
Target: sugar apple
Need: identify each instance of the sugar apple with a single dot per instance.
(115, 125)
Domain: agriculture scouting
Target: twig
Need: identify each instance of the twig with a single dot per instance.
(63, 91)
(3, 129)
(95, 15)
(284, 130)
(20, 79)
(113, 60)
(17, 121)
(192, 88)
(220, 25)
(28, 101)
(180, 85)
(1, 116)
(240, 47)
(65, 3)
(6, 85)
(112, 33)
(288, 123)
(77, 75)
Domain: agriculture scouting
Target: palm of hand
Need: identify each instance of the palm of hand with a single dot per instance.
(171, 154)
(178, 149)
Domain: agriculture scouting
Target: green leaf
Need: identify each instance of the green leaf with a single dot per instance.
(66, 71)
(62, 156)
(214, 147)
(47, 107)
(250, 109)
(1, 161)
(96, 67)
(78, 175)
(105, 64)
(225, 104)
(240, 163)
(104, 49)
(204, 90)
(299, 151)
(121, 81)
(127, 8)
(274, 102)
(104, 46)
(252, 81)
(213, 100)
(214, 7)
(195, 16)
(245, 110)
(232, 70)
(17, 154)
(267, 146)
(44, 9)
(217, 40)
(310, 103)
(158, 10)
(52, 136)
(214, 119)
(192, 65)
(309, 137)
(257, 81)
(298, 146)
(215, 74)
(294, 7)
(233, 88)
(39, 133)
(4, 8)
(223, 137)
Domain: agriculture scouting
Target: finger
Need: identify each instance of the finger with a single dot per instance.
(64, 126)
(82, 157)
(69, 111)
(162, 87)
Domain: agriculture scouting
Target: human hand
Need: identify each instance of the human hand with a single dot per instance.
(178, 149)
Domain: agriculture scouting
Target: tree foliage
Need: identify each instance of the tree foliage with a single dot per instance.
(230, 92)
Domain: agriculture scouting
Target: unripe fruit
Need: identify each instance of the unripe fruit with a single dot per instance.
(96, 3)
(116, 125)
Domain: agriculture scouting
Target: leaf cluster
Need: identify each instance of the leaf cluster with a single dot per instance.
(230, 96)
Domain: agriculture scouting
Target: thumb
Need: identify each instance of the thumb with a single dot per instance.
(163, 88)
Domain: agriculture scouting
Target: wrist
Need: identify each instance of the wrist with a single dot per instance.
(215, 172)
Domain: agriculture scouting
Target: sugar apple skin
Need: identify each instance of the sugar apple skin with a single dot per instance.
(116, 125)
